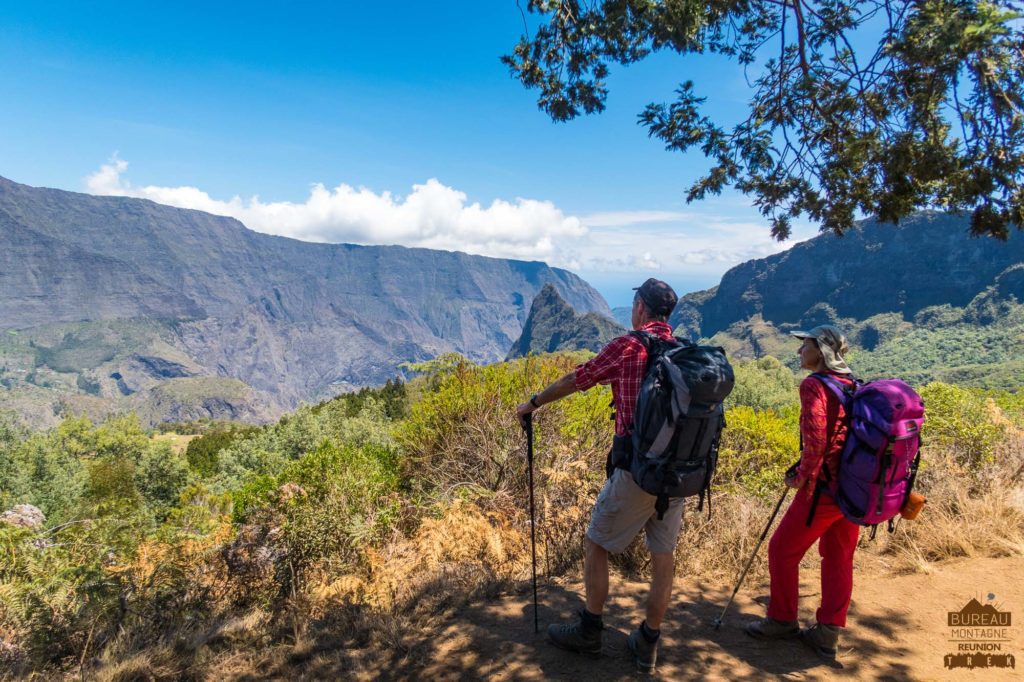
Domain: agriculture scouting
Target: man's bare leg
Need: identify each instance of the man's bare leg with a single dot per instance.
(595, 579)
(662, 572)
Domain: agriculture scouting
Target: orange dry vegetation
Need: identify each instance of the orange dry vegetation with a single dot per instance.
(464, 548)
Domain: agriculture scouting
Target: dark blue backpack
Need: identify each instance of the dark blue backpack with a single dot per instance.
(679, 419)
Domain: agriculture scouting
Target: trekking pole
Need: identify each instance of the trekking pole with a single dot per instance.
(528, 425)
(717, 623)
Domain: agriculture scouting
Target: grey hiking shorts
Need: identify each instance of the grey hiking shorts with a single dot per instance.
(623, 508)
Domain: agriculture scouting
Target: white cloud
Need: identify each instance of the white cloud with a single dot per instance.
(431, 216)
(646, 262)
(624, 218)
(701, 243)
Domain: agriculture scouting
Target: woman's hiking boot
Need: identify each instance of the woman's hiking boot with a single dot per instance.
(769, 628)
(644, 650)
(582, 636)
(822, 640)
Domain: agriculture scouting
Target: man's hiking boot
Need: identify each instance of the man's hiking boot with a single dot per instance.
(769, 628)
(822, 640)
(576, 637)
(645, 653)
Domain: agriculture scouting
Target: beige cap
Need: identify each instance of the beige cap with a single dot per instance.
(832, 345)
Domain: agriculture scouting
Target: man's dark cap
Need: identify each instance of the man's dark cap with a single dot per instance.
(659, 296)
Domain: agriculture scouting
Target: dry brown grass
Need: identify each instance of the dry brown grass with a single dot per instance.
(465, 547)
(156, 663)
(178, 442)
(968, 514)
(716, 548)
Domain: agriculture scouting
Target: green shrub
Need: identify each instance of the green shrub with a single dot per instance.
(1012, 404)
(763, 384)
(757, 448)
(392, 396)
(110, 487)
(14, 483)
(119, 437)
(464, 432)
(160, 476)
(328, 508)
(52, 467)
(961, 419)
(371, 424)
(202, 452)
(256, 493)
(268, 450)
(332, 531)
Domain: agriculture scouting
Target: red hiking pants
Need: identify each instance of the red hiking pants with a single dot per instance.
(791, 541)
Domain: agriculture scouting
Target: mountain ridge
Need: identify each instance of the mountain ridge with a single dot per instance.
(553, 325)
(928, 259)
(921, 300)
(297, 321)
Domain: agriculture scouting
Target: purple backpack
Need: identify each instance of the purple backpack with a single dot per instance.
(882, 450)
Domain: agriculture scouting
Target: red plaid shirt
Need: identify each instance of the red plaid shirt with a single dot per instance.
(621, 363)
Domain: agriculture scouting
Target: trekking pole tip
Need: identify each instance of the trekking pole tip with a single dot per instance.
(716, 623)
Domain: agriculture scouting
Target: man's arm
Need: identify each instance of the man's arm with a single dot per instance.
(556, 391)
(599, 369)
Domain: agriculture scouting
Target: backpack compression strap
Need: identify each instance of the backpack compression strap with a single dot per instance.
(713, 454)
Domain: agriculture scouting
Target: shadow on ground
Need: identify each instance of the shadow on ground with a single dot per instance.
(495, 639)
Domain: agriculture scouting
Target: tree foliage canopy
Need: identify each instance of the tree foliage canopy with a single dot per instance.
(874, 107)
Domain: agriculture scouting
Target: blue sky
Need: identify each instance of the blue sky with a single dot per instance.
(366, 122)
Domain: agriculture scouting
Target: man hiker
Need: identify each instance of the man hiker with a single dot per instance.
(622, 508)
(814, 516)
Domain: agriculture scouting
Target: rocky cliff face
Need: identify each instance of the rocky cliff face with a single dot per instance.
(554, 326)
(294, 320)
(929, 259)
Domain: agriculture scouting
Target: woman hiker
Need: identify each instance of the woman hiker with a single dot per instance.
(814, 516)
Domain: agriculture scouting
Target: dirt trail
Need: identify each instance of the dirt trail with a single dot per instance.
(898, 630)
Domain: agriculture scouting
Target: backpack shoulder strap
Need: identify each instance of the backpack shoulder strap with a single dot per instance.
(654, 345)
(841, 391)
(643, 337)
